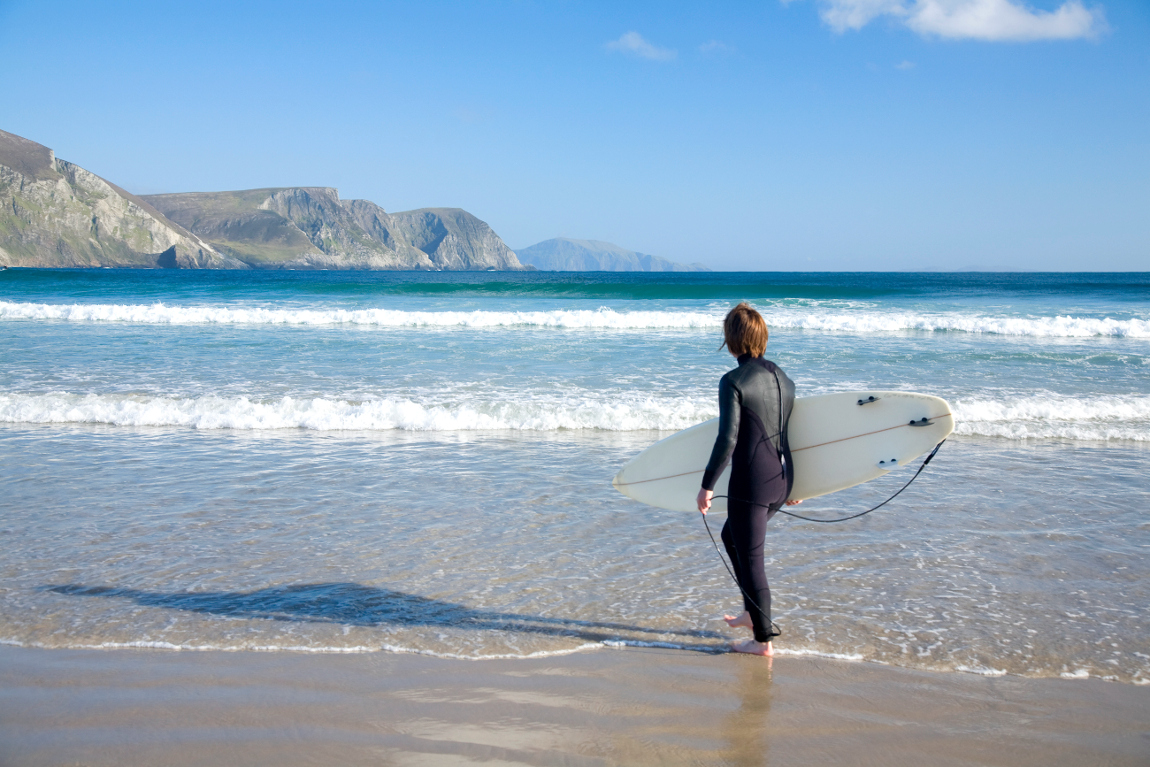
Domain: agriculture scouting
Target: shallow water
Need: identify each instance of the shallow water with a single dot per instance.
(198, 474)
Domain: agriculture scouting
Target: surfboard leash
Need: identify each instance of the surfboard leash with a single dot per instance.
(852, 516)
(731, 572)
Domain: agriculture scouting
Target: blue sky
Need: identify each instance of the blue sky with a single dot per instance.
(809, 134)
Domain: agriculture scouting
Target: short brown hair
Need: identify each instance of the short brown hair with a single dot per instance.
(745, 331)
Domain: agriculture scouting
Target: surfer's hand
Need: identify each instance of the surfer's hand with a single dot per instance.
(704, 500)
(795, 502)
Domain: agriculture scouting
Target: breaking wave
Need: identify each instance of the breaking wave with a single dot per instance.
(159, 314)
(813, 318)
(1037, 416)
(1054, 417)
(1037, 327)
(323, 414)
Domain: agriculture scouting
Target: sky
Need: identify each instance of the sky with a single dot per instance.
(800, 135)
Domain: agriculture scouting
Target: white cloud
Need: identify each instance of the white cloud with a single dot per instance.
(995, 20)
(715, 46)
(634, 44)
(856, 14)
(1004, 20)
(905, 65)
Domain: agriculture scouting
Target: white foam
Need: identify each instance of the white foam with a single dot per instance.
(147, 644)
(159, 314)
(818, 654)
(496, 413)
(1038, 327)
(809, 318)
(619, 643)
(493, 656)
(981, 670)
(318, 650)
(1038, 416)
(1048, 416)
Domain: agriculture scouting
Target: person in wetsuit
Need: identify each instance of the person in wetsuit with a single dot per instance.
(755, 401)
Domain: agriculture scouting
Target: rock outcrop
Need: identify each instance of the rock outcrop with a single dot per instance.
(312, 228)
(54, 213)
(566, 255)
(454, 239)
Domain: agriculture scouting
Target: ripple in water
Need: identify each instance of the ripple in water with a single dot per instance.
(516, 546)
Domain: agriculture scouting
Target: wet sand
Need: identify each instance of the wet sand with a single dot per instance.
(630, 706)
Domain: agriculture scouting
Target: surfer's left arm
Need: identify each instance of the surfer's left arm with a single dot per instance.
(730, 402)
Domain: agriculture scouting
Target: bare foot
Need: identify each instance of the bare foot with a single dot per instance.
(742, 621)
(751, 647)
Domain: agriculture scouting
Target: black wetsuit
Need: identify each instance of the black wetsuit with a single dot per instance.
(755, 401)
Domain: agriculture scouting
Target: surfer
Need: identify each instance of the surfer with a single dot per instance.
(755, 402)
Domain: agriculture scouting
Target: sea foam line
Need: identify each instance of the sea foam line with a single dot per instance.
(1036, 416)
(323, 414)
(159, 314)
(1035, 327)
(145, 644)
(1050, 416)
(584, 647)
(860, 321)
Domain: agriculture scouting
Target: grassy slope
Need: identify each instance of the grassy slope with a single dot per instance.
(234, 223)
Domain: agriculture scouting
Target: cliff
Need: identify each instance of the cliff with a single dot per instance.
(54, 213)
(312, 228)
(455, 239)
(566, 255)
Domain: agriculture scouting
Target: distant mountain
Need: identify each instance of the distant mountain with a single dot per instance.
(312, 228)
(54, 213)
(566, 255)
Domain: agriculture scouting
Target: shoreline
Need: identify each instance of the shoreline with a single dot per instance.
(611, 706)
(590, 647)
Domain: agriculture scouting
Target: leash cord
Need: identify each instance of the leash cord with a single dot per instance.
(774, 628)
(852, 516)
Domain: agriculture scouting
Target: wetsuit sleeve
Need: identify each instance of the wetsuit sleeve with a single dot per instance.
(730, 407)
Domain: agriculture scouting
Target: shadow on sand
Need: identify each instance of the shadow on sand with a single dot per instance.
(357, 605)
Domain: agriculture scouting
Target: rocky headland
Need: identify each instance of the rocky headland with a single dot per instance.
(563, 254)
(312, 228)
(56, 214)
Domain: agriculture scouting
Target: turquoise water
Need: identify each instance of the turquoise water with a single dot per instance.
(332, 461)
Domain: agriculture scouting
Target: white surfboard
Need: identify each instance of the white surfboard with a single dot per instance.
(837, 441)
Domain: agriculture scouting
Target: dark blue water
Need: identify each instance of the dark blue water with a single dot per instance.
(1055, 287)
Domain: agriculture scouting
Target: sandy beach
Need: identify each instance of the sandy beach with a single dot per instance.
(630, 706)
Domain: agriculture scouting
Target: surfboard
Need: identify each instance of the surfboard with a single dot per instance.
(837, 441)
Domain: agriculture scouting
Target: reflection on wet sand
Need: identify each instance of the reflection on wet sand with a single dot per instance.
(746, 730)
(629, 707)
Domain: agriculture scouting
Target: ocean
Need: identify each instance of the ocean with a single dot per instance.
(422, 462)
